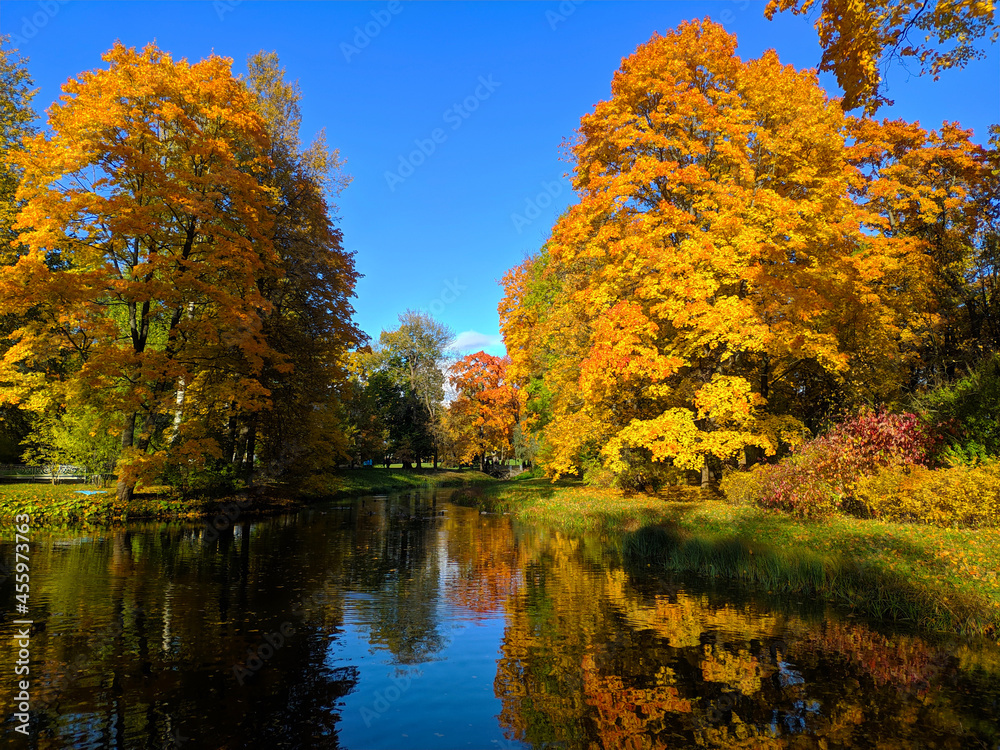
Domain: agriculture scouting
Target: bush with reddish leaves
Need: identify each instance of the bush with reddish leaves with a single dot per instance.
(819, 478)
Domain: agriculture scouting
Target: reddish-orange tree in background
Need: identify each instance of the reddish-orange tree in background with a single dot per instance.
(485, 415)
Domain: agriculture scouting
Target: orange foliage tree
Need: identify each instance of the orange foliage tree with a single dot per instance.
(148, 232)
(939, 190)
(309, 318)
(715, 282)
(16, 117)
(483, 418)
(860, 36)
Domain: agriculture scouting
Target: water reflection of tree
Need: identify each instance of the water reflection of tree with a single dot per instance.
(145, 625)
(395, 559)
(591, 660)
(589, 657)
(551, 626)
(483, 553)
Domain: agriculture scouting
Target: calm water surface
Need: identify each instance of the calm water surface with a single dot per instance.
(409, 622)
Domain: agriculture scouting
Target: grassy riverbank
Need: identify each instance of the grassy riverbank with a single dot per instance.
(354, 482)
(65, 504)
(934, 578)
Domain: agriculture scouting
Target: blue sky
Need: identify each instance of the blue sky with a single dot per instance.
(450, 115)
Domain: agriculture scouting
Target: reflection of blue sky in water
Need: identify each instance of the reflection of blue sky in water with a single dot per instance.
(795, 722)
(787, 675)
(446, 701)
(443, 699)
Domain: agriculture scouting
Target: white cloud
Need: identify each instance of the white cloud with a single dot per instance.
(473, 341)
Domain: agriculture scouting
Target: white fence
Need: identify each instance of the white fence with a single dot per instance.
(53, 473)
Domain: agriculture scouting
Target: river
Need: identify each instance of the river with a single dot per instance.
(409, 622)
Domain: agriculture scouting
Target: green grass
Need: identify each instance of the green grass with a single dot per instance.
(61, 505)
(934, 578)
(372, 481)
(57, 505)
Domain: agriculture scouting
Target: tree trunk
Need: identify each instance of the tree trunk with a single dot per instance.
(123, 489)
(229, 451)
(435, 459)
(178, 411)
(240, 452)
(706, 475)
(251, 448)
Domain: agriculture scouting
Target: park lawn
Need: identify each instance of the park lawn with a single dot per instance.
(374, 481)
(63, 504)
(935, 578)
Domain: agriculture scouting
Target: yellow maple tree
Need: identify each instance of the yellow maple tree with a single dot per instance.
(859, 37)
(146, 230)
(714, 274)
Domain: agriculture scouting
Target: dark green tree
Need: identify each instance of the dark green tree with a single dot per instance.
(414, 357)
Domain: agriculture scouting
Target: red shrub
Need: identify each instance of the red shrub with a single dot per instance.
(815, 480)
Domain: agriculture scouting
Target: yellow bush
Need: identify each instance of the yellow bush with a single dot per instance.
(743, 487)
(959, 496)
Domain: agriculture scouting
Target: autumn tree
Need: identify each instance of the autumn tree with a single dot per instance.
(308, 321)
(486, 411)
(16, 116)
(715, 284)
(940, 191)
(409, 435)
(861, 37)
(417, 349)
(413, 357)
(367, 429)
(148, 231)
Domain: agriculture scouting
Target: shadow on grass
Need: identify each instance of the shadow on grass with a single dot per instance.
(502, 496)
(860, 582)
(346, 483)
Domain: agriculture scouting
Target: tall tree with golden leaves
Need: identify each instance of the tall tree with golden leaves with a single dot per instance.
(148, 231)
(16, 116)
(714, 274)
(310, 317)
(939, 190)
